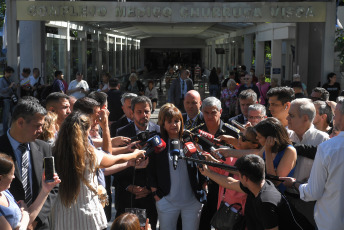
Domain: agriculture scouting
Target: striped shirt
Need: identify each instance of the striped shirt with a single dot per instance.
(87, 212)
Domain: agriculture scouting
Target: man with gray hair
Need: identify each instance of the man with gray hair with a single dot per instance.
(246, 98)
(300, 120)
(256, 113)
(323, 116)
(128, 113)
(211, 109)
(325, 184)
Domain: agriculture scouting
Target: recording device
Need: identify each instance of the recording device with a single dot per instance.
(234, 122)
(209, 136)
(187, 136)
(49, 169)
(175, 151)
(207, 145)
(154, 144)
(143, 136)
(190, 150)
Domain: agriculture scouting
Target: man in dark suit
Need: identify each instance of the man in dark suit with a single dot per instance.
(192, 104)
(128, 113)
(179, 88)
(131, 184)
(114, 100)
(28, 153)
(246, 98)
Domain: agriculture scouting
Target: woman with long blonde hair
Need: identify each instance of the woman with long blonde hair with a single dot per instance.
(50, 128)
(77, 205)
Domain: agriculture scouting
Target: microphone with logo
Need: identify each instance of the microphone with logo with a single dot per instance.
(175, 152)
(209, 137)
(207, 145)
(154, 145)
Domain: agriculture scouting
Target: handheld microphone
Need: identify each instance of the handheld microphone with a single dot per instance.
(143, 136)
(209, 136)
(175, 151)
(207, 145)
(154, 144)
(187, 136)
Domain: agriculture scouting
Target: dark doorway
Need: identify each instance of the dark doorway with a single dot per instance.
(160, 59)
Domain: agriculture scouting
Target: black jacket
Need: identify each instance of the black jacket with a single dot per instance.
(123, 121)
(39, 150)
(159, 174)
(114, 104)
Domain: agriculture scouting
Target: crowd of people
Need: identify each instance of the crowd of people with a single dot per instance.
(285, 154)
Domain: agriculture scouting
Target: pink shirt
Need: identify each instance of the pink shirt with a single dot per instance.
(231, 196)
(263, 89)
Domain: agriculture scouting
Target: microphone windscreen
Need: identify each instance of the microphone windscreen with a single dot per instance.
(175, 145)
(206, 135)
(189, 149)
(205, 143)
(159, 148)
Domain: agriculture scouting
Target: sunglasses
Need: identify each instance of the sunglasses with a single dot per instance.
(243, 138)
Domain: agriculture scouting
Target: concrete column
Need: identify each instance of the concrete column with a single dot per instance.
(83, 36)
(276, 58)
(206, 57)
(328, 42)
(248, 48)
(68, 61)
(302, 50)
(259, 61)
(229, 62)
(213, 55)
(288, 60)
(236, 53)
(12, 38)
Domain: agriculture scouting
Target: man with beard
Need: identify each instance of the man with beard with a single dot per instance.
(131, 190)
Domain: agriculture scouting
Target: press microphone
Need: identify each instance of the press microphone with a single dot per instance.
(175, 151)
(187, 136)
(190, 150)
(209, 136)
(154, 144)
(207, 145)
(143, 136)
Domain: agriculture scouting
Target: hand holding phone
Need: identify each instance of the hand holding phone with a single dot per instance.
(49, 169)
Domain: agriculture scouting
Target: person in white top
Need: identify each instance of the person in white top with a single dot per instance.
(300, 121)
(325, 184)
(78, 88)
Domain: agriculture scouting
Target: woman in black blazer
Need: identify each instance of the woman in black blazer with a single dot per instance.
(175, 190)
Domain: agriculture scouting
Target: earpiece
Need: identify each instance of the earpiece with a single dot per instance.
(286, 107)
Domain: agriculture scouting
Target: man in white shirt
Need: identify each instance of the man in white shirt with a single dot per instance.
(78, 87)
(300, 121)
(325, 184)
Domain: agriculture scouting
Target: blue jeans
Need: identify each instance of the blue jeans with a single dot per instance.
(213, 90)
(6, 114)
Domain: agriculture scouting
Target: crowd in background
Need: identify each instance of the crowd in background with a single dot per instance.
(287, 169)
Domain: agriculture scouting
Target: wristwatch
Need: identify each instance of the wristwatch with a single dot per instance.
(294, 186)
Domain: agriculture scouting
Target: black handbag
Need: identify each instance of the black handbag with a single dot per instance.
(228, 217)
(14, 97)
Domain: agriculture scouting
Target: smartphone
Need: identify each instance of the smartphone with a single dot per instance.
(234, 122)
(49, 169)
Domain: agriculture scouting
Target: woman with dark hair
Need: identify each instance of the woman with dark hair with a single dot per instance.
(77, 160)
(12, 216)
(152, 93)
(279, 155)
(174, 189)
(332, 86)
(213, 83)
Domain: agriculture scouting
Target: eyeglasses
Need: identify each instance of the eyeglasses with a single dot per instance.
(243, 138)
(255, 117)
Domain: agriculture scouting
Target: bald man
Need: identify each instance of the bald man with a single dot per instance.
(192, 105)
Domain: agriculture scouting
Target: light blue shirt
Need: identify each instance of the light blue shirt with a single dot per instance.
(17, 153)
(181, 193)
(182, 92)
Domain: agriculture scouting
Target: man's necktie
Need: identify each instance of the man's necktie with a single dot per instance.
(189, 124)
(25, 174)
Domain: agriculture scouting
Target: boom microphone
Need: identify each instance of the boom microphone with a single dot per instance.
(207, 145)
(175, 151)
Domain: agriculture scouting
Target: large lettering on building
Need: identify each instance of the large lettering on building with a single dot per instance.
(172, 12)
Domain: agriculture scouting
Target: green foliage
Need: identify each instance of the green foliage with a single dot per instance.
(2, 11)
(339, 45)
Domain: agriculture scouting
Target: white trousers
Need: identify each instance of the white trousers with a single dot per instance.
(168, 215)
